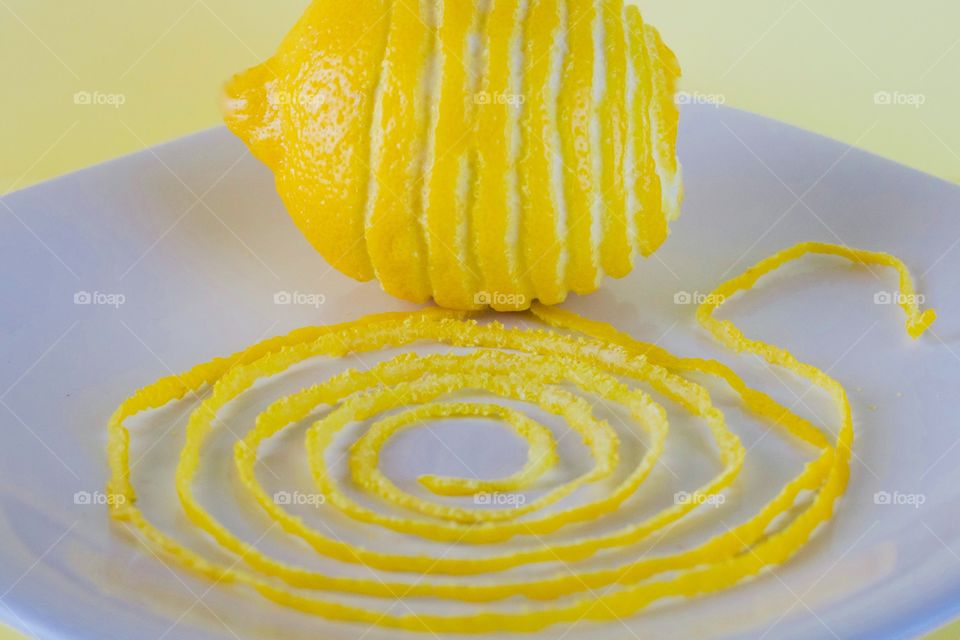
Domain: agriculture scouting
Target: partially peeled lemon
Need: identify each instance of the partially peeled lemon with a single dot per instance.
(482, 154)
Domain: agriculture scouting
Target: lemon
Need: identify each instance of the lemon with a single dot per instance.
(483, 154)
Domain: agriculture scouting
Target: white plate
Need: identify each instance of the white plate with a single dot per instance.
(199, 276)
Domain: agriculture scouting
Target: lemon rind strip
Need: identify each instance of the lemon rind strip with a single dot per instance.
(616, 249)
(575, 121)
(394, 239)
(541, 447)
(448, 185)
(495, 228)
(649, 217)
(543, 216)
(665, 120)
(732, 559)
(599, 438)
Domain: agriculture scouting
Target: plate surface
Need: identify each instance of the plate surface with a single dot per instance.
(122, 273)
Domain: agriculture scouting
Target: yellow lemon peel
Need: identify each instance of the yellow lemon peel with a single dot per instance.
(496, 227)
(616, 248)
(315, 134)
(576, 113)
(394, 237)
(541, 448)
(535, 366)
(543, 235)
(484, 154)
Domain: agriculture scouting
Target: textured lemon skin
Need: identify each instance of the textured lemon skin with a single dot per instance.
(397, 247)
(496, 219)
(544, 241)
(306, 113)
(447, 191)
(651, 215)
(616, 250)
(484, 154)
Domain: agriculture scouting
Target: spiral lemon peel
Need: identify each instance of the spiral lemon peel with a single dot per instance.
(530, 366)
(366, 474)
(541, 448)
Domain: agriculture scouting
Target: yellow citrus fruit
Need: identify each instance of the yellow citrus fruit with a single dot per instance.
(483, 154)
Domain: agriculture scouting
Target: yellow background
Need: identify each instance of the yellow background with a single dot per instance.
(814, 63)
